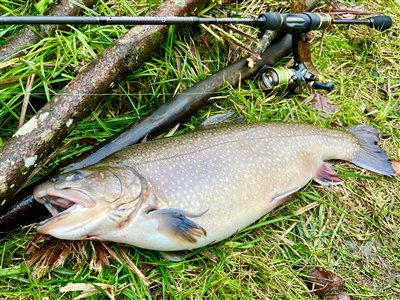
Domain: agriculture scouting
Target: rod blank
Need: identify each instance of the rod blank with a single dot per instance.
(124, 20)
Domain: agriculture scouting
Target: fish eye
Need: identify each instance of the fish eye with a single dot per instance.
(76, 176)
(53, 179)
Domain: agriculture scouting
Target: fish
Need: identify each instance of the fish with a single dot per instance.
(196, 189)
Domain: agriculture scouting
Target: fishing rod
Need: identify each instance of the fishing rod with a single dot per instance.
(265, 21)
(270, 79)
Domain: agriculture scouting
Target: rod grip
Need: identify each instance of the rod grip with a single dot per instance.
(380, 23)
(270, 21)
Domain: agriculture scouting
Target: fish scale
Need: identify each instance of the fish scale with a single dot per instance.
(188, 191)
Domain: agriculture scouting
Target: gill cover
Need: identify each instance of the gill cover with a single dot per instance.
(89, 201)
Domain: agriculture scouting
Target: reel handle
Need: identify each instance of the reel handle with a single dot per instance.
(319, 85)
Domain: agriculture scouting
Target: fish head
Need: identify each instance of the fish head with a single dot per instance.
(89, 201)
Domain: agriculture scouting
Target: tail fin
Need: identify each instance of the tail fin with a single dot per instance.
(371, 156)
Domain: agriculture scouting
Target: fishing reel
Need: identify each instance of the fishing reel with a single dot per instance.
(282, 80)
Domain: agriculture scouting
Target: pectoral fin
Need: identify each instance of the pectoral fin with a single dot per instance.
(327, 175)
(175, 223)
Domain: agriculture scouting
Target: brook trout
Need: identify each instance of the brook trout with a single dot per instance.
(192, 190)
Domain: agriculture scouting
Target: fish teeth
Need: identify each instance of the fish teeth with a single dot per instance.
(54, 211)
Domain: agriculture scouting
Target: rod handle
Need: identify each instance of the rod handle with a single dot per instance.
(293, 22)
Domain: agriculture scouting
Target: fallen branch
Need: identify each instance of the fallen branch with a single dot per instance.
(34, 141)
(32, 35)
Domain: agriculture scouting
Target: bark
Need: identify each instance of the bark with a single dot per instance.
(33, 142)
(33, 34)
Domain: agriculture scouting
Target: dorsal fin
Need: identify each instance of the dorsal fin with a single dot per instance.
(223, 118)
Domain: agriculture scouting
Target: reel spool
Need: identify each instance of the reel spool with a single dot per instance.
(281, 80)
(277, 80)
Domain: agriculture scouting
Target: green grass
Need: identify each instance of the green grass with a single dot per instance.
(353, 229)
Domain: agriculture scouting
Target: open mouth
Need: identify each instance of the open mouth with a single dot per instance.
(57, 205)
(63, 201)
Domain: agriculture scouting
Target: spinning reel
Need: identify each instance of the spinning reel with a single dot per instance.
(282, 80)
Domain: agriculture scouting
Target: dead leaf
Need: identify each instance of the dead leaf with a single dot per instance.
(99, 257)
(48, 253)
(88, 289)
(306, 208)
(322, 282)
(396, 167)
(322, 103)
(52, 253)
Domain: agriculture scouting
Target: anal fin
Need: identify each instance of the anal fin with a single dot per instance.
(175, 224)
(327, 176)
(281, 198)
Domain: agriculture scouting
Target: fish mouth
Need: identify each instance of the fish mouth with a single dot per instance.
(61, 202)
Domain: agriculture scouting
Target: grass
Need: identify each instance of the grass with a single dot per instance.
(352, 229)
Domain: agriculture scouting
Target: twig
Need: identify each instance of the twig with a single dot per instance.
(131, 265)
(114, 255)
(28, 90)
(265, 40)
(242, 33)
(237, 42)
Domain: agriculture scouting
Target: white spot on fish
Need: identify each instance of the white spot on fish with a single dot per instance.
(69, 122)
(28, 127)
(43, 116)
(30, 161)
